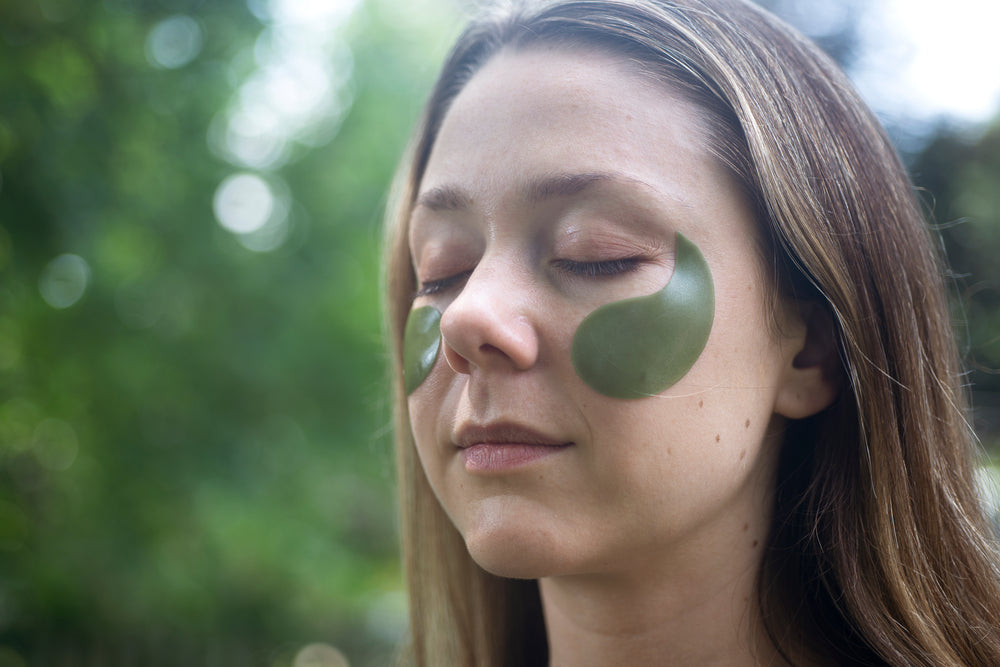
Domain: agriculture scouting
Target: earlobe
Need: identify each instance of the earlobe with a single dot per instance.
(811, 377)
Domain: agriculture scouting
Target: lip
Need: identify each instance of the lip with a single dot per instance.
(503, 446)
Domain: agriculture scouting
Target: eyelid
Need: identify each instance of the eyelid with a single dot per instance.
(588, 242)
(429, 287)
(599, 269)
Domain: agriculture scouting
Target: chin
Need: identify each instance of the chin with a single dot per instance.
(510, 562)
(516, 551)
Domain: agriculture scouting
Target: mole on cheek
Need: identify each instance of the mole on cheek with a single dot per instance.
(641, 346)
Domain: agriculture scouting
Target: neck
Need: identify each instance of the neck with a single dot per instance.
(705, 615)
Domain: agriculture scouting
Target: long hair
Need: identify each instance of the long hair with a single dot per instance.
(879, 551)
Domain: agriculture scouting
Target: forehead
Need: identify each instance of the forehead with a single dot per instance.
(530, 113)
(545, 105)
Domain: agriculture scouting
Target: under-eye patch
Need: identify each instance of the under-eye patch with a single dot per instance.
(421, 343)
(641, 346)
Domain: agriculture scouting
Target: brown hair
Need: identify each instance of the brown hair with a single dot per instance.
(879, 551)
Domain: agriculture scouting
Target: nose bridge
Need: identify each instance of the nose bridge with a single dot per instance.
(500, 277)
(492, 318)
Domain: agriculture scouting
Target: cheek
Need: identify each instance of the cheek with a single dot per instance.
(424, 427)
(425, 406)
(746, 349)
(701, 446)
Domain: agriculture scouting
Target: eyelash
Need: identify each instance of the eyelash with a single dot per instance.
(609, 267)
(602, 269)
(435, 286)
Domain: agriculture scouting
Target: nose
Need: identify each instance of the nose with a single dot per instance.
(490, 324)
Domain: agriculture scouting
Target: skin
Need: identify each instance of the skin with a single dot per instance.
(626, 349)
(645, 529)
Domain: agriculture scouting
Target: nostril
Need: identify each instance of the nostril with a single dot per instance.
(455, 360)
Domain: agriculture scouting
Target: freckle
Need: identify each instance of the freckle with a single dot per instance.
(743, 454)
(747, 424)
(746, 527)
(717, 437)
(669, 451)
(755, 543)
(701, 404)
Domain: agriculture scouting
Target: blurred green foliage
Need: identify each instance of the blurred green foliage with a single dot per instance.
(195, 463)
(194, 454)
(959, 171)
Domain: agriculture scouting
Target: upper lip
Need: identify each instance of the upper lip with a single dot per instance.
(503, 433)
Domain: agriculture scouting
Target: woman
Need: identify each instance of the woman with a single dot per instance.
(675, 379)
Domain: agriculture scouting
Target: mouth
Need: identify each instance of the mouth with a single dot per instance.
(500, 447)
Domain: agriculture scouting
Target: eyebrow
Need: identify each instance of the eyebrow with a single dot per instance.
(564, 185)
(454, 198)
(444, 198)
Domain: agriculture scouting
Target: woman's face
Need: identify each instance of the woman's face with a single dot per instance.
(558, 183)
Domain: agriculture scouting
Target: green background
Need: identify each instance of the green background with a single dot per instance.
(195, 457)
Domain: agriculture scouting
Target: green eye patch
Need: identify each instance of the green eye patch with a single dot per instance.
(639, 347)
(421, 343)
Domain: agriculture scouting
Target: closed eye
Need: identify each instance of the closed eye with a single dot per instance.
(435, 286)
(609, 267)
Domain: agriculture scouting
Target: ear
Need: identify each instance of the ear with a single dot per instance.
(811, 375)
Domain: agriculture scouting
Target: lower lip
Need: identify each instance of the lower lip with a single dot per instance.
(487, 457)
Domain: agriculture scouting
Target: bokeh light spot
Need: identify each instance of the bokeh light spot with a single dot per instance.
(56, 444)
(387, 616)
(243, 203)
(174, 42)
(64, 280)
(19, 418)
(249, 136)
(273, 233)
(320, 655)
(322, 12)
(300, 91)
